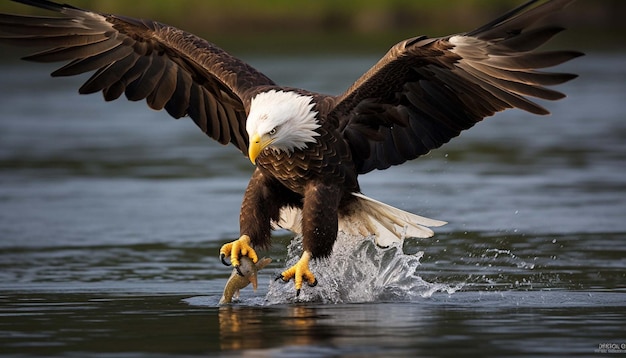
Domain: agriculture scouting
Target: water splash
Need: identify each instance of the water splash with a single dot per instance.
(358, 271)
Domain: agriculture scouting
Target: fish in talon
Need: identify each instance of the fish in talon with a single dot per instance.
(242, 276)
(236, 249)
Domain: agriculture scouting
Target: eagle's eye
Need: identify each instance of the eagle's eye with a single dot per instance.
(273, 131)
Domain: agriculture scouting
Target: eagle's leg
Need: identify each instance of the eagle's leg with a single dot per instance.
(261, 203)
(300, 272)
(319, 231)
(236, 249)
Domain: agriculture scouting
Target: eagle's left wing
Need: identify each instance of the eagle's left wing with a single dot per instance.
(425, 91)
(143, 59)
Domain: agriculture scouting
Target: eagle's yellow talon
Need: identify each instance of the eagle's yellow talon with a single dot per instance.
(300, 272)
(236, 249)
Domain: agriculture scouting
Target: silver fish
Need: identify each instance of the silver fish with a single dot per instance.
(241, 277)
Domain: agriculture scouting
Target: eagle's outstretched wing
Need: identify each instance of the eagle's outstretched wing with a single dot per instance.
(425, 91)
(168, 67)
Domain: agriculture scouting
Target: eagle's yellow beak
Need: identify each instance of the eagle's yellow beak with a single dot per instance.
(257, 144)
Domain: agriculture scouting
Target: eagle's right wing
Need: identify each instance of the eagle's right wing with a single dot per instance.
(425, 91)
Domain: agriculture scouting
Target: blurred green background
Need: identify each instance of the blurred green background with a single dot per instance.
(349, 25)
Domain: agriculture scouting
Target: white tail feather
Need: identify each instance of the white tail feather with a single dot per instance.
(290, 219)
(370, 217)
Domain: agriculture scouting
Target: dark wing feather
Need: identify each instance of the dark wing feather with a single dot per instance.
(426, 91)
(170, 68)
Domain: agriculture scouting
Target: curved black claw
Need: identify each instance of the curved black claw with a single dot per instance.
(223, 259)
(309, 284)
(239, 271)
(282, 278)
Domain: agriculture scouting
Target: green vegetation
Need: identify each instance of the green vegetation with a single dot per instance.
(346, 25)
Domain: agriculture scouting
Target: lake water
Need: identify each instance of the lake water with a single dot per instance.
(112, 215)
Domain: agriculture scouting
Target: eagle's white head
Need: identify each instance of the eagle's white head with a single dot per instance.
(280, 120)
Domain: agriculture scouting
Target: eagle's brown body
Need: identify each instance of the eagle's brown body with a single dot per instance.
(319, 180)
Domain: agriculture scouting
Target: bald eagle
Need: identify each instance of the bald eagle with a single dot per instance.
(309, 148)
